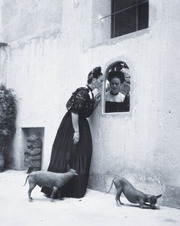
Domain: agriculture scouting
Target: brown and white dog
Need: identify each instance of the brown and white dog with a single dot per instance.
(134, 196)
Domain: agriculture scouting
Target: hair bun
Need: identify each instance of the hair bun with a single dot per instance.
(116, 74)
(96, 71)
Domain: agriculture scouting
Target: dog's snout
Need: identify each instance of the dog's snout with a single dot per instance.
(75, 173)
(153, 206)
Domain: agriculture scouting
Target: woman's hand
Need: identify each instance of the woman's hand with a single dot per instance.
(97, 97)
(76, 137)
(75, 123)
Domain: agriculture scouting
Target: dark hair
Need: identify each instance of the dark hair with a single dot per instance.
(116, 74)
(119, 66)
(95, 73)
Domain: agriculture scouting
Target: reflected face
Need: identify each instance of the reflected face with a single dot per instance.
(99, 81)
(115, 84)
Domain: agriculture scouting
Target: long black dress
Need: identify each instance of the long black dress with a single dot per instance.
(64, 152)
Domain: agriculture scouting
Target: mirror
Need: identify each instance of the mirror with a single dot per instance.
(117, 88)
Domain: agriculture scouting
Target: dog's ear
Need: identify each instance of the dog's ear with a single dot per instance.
(158, 196)
(68, 167)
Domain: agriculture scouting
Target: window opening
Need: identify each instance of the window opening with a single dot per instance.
(128, 16)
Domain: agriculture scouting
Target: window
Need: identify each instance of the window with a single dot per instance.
(128, 16)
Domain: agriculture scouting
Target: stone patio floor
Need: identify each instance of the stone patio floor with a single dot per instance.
(95, 209)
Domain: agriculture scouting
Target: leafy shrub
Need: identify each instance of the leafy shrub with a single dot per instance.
(7, 115)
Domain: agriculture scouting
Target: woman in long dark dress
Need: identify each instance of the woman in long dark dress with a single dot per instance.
(73, 143)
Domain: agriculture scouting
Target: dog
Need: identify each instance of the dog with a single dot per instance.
(48, 179)
(134, 196)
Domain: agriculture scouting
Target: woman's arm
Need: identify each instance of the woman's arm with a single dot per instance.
(75, 123)
(97, 99)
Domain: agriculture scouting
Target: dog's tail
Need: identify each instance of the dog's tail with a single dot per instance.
(26, 180)
(111, 186)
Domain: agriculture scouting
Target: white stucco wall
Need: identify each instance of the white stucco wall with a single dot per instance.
(52, 45)
(143, 145)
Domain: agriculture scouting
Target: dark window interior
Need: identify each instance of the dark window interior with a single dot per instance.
(128, 16)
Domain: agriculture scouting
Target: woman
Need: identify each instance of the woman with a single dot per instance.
(115, 101)
(73, 142)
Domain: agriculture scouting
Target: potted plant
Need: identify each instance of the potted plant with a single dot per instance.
(7, 119)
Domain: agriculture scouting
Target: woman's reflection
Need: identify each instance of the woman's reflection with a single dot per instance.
(117, 98)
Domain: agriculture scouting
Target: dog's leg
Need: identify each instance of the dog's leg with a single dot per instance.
(147, 204)
(59, 194)
(31, 187)
(141, 203)
(117, 198)
(53, 193)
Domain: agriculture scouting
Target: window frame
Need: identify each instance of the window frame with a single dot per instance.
(141, 17)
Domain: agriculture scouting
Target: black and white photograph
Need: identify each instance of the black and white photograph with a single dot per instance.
(89, 112)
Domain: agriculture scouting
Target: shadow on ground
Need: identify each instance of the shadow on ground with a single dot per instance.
(95, 209)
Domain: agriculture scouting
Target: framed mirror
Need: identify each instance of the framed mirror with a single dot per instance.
(117, 88)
